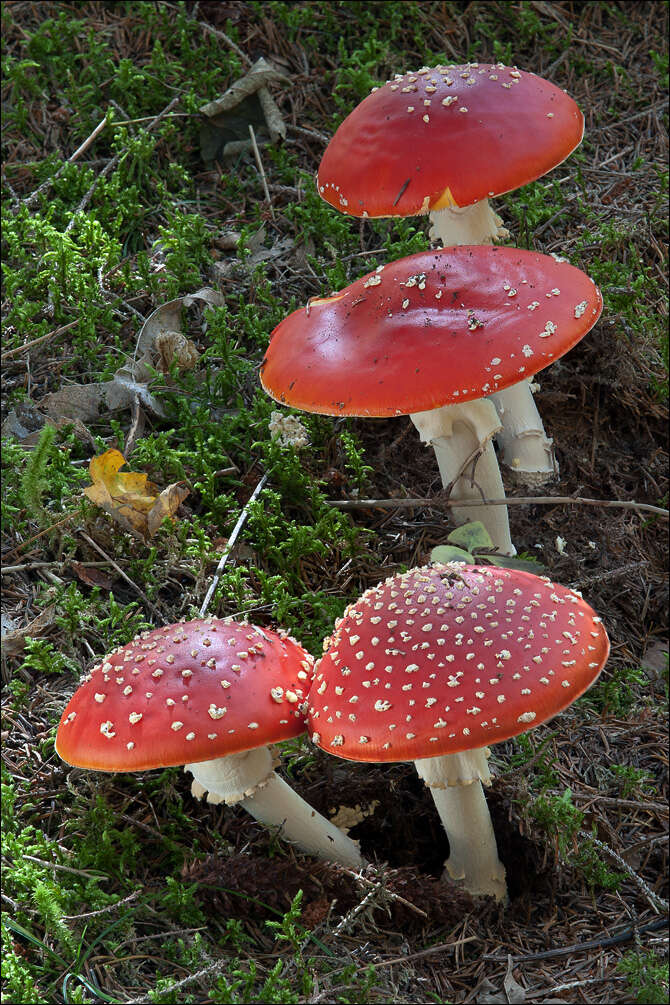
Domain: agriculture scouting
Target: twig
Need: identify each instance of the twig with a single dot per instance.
(62, 868)
(89, 139)
(231, 543)
(440, 501)
(581, 947)
(261, 170)
(48, 182)
(136, 588)
(113, 163)
(351, 915)
(601, 577)
(217, 34)
(427, 952)
(103, 910)
(654, 900)
(389, 893)
(213, 968)
(625, 804)
(36, 341)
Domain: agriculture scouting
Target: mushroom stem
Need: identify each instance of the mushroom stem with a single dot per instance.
(277, 805)
(524, 445)
(461, 437)
(249, 778)
(475, 224)
(526, 448)
(455, 782)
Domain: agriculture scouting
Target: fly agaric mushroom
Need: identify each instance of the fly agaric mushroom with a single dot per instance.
(211, 695)
(443, 141)
(435, 664)
(432, 335)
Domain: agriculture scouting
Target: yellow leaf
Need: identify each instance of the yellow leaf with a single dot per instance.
(129, 497)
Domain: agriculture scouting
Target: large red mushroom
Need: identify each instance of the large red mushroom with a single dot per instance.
(435, 664)
(442, 141)
(433, 336)
(212, 695)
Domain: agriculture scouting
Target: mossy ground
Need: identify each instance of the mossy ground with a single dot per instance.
(118, 887)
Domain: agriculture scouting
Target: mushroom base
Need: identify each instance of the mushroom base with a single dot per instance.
(249, 778)
(461, 437)
(455, 782)
(525, 447)
(476, 224)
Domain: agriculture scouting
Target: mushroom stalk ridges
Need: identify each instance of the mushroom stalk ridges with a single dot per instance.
(455, 782)
(249, 779)
(461, 436)
(524, 446)
(523, 443)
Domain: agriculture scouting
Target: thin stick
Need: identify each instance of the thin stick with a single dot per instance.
(217, 34)
(439, 502)
(427, 952)
(261, 169)
(231, 543)
(87, 142)
(582, 947)
(36, 341)
(121, 573)
(113, 163)
(213, 968)
(653, 898)
(29, 200)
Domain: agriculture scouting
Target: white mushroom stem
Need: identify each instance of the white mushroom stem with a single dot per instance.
(249, 778)
(455, 782)
(461, 437)
(476, 224)
(525, 448)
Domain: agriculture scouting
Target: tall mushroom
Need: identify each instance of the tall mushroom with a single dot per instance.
(434, 665)
(442, 141)
(211, 695)
(433, 335)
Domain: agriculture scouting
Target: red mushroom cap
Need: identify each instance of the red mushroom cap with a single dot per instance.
(189, 692)
(452, 657)
(447, 136)
(436, 328)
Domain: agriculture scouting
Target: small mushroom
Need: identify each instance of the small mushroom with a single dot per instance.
(434, 335)
(443, 141)
(211, 695)
(434, 665)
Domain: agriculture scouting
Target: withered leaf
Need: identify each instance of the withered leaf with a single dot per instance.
(131, 500)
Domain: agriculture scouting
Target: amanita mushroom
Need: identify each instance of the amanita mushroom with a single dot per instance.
(211, 695)
(432, 335)
(434, 665)
(442, 141)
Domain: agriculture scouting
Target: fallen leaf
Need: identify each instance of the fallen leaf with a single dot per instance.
(225, 129)
(134, 502)
(92, 576)
(14, 638)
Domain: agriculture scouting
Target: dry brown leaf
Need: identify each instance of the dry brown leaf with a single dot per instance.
(129, 497)
(92, 576)
(14, 638)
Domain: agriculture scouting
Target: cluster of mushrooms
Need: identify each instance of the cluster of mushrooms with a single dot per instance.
(437, 663)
